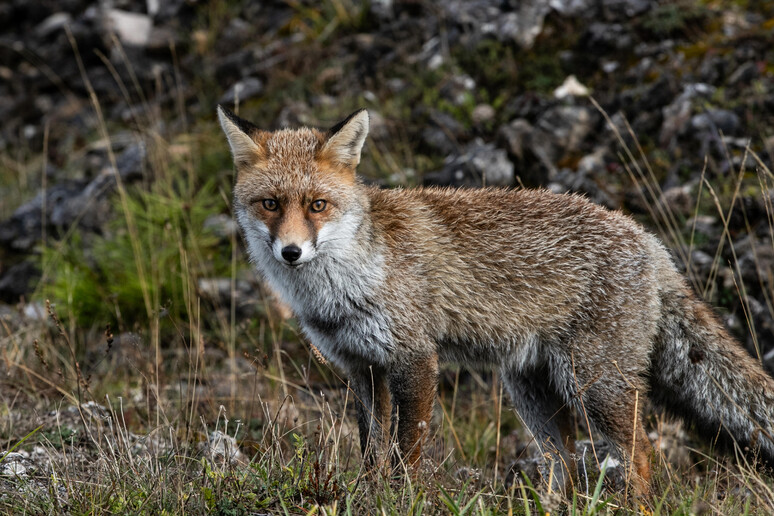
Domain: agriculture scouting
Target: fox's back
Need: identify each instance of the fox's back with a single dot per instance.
(494, 265)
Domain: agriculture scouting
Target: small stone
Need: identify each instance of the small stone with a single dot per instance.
(19, 281)
(482, 164)
(515, 135)
(744, 74)
(378, 126)
(222, 226)
(625, 9)
(573, 7)
(52, 24)
(130, 162)
(482, 114)
(245, 89)
(714, 120)
(571, 87)
(133, 29)
(679, 199)
(222, 449)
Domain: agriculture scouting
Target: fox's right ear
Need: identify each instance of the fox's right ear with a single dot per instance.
(239, 133)
(345, 140)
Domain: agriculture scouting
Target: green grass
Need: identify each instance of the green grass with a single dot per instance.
(107, 283)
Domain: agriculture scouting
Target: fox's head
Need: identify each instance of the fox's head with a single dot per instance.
(296, 194)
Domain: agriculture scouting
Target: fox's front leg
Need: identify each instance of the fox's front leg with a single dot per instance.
(413, 384)
(372, 400)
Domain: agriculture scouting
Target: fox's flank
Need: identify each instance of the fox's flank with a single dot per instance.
(579, 309)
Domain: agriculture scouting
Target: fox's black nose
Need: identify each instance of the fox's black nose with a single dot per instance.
(291, 253)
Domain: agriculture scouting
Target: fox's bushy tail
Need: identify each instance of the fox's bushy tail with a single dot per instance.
(701, 374)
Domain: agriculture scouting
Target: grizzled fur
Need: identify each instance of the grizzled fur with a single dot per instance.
(576, 306)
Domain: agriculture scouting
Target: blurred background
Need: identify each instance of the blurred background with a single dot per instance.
(131, 325)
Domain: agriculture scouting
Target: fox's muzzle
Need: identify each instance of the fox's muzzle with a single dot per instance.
(293, 254)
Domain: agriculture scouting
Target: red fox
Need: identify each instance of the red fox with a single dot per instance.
(577, 307)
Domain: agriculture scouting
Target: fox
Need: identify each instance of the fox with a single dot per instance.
(577, 308)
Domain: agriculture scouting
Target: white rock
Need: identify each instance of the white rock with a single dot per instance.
(133, 29)
(223, 449)
(52, 24)
(571, 87)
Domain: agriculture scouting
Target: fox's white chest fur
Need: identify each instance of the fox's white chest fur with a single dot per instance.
(335, 296)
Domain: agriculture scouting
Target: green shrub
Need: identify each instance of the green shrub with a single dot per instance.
(136, 271)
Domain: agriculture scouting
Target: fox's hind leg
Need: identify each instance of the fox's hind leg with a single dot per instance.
(619, 418)
(610, 397)
(548, 418)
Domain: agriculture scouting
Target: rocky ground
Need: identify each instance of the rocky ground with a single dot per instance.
(664, 109)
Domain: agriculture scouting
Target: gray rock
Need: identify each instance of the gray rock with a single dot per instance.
(756, 259)
(482, 114)
(516, 136)
(161, 39)
(236, 36)
(131, 162)
(713, 68)
(745, 73)
(625, 9)
(378, 126)
(486, 18)
(133, 29)
(168, 9)
(482, 164)
(458, 89)
(603, 37)
(222, 226)
(219, 289)
(19, 280)
(222, 449)
(10, 318)
(585, 180)
(23, 229)
(679, 200)
(703, 224)
(382, 9)
(247, 88)
(443, 133)
(525, 467)
(715, 120)
(52, 24)
(677, 115)
(16, 465)
(561, 130)
(75, 202)
(574, 7)
(294, 114)
(88, 208)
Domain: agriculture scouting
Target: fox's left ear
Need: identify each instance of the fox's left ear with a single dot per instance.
(346, 139)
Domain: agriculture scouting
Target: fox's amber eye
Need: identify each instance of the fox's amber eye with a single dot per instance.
(270, 204)
(318, 206)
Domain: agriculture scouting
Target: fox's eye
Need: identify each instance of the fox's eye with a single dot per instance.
(270, 204)
(318, 205)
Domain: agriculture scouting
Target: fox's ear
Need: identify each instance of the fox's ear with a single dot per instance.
(345, 140)
(240, 134)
